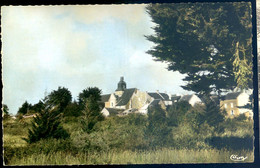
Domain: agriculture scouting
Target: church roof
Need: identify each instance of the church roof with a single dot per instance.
(161, 96)
(105, 98)
(230, 96)
(125, 98)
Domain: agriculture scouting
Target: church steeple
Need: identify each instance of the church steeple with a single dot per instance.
(121, 86)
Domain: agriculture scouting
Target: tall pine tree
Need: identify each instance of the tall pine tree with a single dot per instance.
(46, 125)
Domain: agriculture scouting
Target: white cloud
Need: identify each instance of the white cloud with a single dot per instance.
(76, 47)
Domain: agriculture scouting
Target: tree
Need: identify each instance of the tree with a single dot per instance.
(91, 114)
(5, 111)
(60, 98)
(46, 125)
(158, 133)
(177, 112)
(72, 109)
(86, 93)
(38, 106)
(24, 109)
(213, 115)
(209, 42)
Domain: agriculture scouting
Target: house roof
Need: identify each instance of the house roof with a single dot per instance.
(125, 98)
(175, 98)
(233, 95)
(186, 98)
(155, 102)
(161, 96)
(113, 111)
(105, 98)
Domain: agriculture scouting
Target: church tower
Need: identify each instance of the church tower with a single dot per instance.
(121, 86)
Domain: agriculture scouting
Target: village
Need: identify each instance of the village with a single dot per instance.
(132, 100)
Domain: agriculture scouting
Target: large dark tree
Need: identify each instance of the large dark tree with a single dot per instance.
(59, 98)
(72, 109)
(91, 114)
(86, 93)
(24, 109)
(157, 132)
(209, 42)
(177, 112)
(37, 107)
(5, 112)
(46, 125)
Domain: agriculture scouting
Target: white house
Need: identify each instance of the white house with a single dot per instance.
(191, 99)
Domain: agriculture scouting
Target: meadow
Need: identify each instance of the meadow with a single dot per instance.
(118, 140)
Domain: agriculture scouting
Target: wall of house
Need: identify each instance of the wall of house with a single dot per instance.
(112, 101)
(139, 99)
(167, 103)
(105, 112)
(194, 99)
(107, 104)
(230, 105)
(242, 99)
(249, 114)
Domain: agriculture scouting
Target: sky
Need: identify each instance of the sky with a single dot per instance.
(76, 47)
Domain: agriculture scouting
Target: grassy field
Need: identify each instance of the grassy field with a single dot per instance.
(163, 156)
(52, 153)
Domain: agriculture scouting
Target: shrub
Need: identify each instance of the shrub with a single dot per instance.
(157, 132)
(231, 143)
(72, 110)
(91, 114)
(46, 125)
(177, 112)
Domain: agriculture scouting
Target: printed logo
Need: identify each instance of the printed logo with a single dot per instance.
(237, 158)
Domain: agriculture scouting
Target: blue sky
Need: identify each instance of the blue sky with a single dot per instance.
(76, 47)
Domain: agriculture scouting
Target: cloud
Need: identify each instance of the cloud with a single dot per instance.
(77, 47)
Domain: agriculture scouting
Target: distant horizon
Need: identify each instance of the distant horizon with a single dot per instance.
(79, 46)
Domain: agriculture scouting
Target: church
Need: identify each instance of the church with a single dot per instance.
(124, 100)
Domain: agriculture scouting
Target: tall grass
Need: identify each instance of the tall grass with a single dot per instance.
(115, 141)
(162, 156)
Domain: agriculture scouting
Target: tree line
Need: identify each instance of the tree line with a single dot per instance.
(57, 105)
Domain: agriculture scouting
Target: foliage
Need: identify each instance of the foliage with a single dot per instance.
(38, 106)
(91, 114)
(231, 143)
(238, 126)
(86, 93)
(176, 112)
(45, 146)
(114, 157)
(5, 112)
(5, 109)
(72, 110)
(213, 115)
(60, 98)
(209, 42)
(46, 125)
(24, 109)
(157, 132)
(120, 139)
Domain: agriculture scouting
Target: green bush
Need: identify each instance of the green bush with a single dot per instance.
(177, 112)
(46, 125)
(158, 133)
(45, 146)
